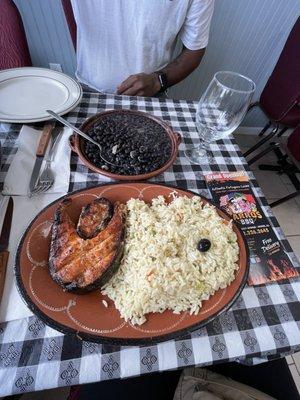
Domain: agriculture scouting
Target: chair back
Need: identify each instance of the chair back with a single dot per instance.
(14, 51)
(282, 91)
(67, 6)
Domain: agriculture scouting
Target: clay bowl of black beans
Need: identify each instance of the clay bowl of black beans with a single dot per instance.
(135, 145)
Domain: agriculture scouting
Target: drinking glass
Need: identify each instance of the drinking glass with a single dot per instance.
(220, 110)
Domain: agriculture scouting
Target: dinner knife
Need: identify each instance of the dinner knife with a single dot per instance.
(40, 153)
(4, 240)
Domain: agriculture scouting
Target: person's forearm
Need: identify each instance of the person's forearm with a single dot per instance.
(183, 65)
(143, 84)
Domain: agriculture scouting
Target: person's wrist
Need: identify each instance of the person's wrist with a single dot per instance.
(163, 80)
(157, 85)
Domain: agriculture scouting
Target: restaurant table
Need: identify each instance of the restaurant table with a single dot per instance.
(262, 324)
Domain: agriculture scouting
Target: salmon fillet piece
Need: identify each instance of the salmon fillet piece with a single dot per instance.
(85, 257)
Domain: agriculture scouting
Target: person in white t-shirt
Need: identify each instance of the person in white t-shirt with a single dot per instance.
(126, 46)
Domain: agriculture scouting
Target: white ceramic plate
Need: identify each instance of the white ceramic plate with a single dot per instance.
(26, 94)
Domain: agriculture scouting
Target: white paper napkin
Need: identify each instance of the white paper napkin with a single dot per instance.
(16, 183)
(18, 176)
(12, 305)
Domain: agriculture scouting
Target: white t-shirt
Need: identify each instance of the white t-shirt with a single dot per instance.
(118, 38)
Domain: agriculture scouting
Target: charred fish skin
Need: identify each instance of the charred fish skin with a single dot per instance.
(62, 223)
(89, 262)
(94, 217)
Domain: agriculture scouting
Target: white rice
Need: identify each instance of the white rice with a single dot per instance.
(162, 267)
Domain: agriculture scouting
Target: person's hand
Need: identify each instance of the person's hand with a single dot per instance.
(140, 85)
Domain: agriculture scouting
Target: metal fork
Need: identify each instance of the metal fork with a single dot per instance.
(46, 178)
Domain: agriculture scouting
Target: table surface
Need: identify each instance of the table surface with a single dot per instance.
(262, 324)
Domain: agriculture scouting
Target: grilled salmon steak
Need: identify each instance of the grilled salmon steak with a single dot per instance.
(85, 258)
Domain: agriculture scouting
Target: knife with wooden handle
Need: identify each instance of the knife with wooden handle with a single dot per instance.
(3, 265)
(4, 240)
(44, 139)
(40, 153)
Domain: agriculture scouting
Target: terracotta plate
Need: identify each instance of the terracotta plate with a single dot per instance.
(85, 315)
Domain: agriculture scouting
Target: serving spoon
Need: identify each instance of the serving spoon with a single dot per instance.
(84, 135)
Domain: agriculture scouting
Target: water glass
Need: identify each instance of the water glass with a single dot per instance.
(220, 110)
